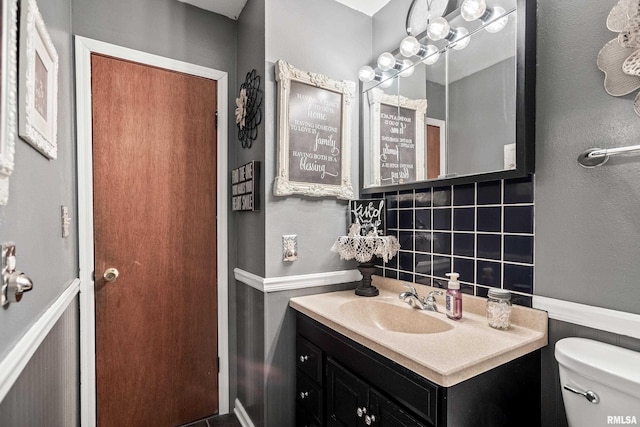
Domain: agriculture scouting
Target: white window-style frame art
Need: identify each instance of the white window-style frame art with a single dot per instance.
(8, 92)
(377, 98)
(38, 115)
(327, 100)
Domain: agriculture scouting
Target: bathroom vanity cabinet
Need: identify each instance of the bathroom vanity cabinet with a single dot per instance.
(342, 383)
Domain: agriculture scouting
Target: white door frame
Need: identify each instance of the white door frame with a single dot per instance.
(84, 48)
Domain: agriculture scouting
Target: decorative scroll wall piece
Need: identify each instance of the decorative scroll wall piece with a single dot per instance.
(248, 113)
(314, 134)
(398, 138)
(245, 188)
(38, 117)
(8, 93)
(619, 59)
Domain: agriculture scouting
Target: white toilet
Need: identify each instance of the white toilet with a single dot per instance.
(605, 380)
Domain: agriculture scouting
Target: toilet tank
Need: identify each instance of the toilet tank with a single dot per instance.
(611, 372)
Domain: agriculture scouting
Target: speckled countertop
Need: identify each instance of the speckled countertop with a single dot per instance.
(469, 348)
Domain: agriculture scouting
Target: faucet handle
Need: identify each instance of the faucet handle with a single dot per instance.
(411, 288)
(432, 293)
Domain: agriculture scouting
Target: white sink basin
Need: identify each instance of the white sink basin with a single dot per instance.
(390, 316)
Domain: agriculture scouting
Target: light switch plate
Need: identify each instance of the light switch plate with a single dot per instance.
(289, 247)
(66, 220)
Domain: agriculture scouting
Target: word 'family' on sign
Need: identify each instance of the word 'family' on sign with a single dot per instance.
(244, 182)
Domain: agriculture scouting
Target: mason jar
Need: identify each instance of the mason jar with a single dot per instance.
(499, 308)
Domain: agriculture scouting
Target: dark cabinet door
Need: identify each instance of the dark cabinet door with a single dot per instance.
(385, 413)
(347, 397)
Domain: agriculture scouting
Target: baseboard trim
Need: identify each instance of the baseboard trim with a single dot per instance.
(287, 283)
(242, 415)
(15, 361)
(604, 319)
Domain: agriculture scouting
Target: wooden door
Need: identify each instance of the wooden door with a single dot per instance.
(154, 160)
(433, 151)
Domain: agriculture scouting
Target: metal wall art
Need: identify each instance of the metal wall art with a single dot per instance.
(248, 113)
(620, 58)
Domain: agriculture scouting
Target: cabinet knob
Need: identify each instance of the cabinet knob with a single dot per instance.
(361, 411)
(304, 359)
(304, 394)
(368, 420)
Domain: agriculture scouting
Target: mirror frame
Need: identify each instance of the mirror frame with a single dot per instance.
(525, 114)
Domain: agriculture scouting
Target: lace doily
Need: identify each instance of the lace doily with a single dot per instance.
(363, 248)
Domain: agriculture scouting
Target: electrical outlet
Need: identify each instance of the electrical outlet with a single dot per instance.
(290, 247)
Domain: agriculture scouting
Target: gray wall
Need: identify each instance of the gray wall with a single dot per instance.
(587, 225)
(37, 189)
(47, 391)
(481, 119)
(249, 227)
(331, 39)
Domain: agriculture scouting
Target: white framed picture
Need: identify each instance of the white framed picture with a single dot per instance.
(314, 134)
(38, 82)
(8, 92)
(398, 138)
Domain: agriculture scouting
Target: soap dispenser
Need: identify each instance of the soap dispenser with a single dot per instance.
(453, 298)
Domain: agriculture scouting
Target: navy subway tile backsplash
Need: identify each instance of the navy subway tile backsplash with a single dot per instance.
(484, 231)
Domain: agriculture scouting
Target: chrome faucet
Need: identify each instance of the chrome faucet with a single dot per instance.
(412, 298)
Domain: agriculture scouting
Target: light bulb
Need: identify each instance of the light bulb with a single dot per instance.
(499, 24)
(409, 46)
(473, 9)
(461, 44)
(366, 74)
(438, 29)
(407, 68)
(385, 84)
(386, 61)
(432, 55)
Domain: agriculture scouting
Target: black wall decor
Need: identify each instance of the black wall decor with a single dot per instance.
(248, 113)
(245, 189)
(370, 214)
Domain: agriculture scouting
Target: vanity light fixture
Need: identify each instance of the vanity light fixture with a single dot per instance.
(478, 9)
(410, 46)
(439, 29)
(387, 61)
(367, 74)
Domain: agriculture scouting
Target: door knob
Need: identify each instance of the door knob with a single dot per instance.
(111, 274)
(14, 283)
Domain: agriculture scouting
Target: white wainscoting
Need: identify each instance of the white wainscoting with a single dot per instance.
(617, 322)
(287, 283)
(242, 415)
(14, 363)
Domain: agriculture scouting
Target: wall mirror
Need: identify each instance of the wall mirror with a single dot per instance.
(453, 103)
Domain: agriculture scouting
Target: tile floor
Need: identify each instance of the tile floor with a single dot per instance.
(228, 420)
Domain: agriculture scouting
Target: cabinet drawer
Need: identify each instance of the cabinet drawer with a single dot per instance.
(309, 395)
(309, 359)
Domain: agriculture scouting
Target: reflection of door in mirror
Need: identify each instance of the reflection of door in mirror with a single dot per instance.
(436, 149)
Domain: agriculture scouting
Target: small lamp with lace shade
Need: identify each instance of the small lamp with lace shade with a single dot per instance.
(365, 241)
